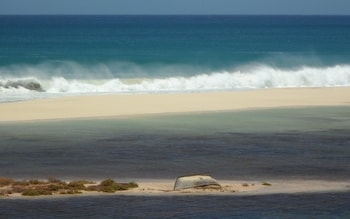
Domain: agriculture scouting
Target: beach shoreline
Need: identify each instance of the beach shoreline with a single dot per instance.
(229, 188)
(117, 105)
(241, 187)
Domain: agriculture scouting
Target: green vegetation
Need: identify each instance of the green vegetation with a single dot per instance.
(36, 192)
(266, 184)
(52, 186)
(76, 185)
(110, 186)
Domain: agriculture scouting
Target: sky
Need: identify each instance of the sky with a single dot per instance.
(187, 7)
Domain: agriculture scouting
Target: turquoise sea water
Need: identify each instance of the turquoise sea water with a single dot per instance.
(74, 55)
(49, 56)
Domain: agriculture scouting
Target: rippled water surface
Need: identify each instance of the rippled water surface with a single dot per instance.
(307, 143)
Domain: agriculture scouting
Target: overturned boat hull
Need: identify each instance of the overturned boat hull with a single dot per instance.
(195, 181)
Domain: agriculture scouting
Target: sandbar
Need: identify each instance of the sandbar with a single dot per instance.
(236, 187)
(229, 187)
(125, 105)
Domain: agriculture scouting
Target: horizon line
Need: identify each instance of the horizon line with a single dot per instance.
(174, 14)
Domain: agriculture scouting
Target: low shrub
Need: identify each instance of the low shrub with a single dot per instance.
(76, 185)
(131, 185)
(6, 181)
(93, 188)
(36, 182)
(107, 182)
(36, 187)
(34, 192)
(266, 184)
(108, 189)
(110, 186)
(55, 187)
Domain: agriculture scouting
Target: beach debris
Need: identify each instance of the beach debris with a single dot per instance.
(196, 181)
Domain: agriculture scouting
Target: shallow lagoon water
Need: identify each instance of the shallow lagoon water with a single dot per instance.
(299, 143)
(310, 143)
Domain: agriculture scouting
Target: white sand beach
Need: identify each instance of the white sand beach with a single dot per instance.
(232, 187)
(80, 107)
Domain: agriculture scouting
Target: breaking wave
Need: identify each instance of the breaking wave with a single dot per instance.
(258, 77)
(29, 84)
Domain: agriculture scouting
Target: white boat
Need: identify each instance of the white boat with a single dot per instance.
(196, 181)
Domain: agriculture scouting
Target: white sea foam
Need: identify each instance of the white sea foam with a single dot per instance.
(257, 77)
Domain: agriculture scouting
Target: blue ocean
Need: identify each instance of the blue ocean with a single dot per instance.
(55, 56)
(77, 55)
